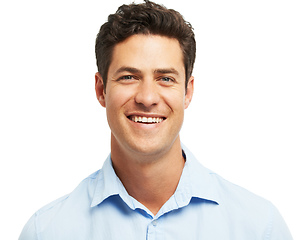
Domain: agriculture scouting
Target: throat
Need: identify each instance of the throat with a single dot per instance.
(152, 186)
(150, 182)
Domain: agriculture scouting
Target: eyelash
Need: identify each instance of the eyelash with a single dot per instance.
(131, 77)
(168, 78)
(127, 77)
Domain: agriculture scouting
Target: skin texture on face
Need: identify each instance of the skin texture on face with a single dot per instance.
(145, 96)
(145, 99)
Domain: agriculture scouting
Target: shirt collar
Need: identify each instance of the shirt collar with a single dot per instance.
(196, 181)
(108, 184)
(199, 180)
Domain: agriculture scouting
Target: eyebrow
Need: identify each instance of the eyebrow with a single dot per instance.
(128, 69)
(156, 71)
(167, 71)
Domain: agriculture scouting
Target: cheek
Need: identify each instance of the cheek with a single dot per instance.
(113, 103)
(116, 98)
(175, 100)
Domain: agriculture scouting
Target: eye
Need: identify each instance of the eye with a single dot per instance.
(167, 81)
(127, 77)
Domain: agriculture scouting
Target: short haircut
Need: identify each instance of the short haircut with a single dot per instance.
(145, 18)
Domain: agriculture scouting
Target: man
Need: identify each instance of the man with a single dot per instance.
(151, 186)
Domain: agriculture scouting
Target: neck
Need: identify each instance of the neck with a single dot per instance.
(150, 179)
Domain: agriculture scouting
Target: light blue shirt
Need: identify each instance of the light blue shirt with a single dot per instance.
(204, 206)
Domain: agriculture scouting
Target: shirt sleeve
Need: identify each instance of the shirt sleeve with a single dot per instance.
(277, 230)
(29, 230)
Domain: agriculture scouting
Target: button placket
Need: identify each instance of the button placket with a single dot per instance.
(151, 232)
(154, 223)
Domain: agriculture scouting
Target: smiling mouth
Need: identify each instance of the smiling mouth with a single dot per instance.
(146, 120)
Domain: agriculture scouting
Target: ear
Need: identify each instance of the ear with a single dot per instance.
(100, 90)
(189, 91)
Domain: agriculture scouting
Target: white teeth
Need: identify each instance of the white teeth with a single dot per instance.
(146, 119)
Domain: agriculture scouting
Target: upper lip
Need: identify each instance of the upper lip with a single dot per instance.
(142, 114)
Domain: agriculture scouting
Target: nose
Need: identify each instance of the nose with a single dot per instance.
(147, 94)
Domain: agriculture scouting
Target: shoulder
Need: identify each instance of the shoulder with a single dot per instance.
(225, 192)
(81, 195)
(241, 206)
(85, 186)
(232, 192)
(240, 199)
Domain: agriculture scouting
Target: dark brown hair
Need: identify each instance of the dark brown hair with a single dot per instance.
(145, 18)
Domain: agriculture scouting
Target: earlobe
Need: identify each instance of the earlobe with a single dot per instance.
(189, 91)
(100, 91)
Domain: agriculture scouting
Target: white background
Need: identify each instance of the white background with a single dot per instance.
(246, 121)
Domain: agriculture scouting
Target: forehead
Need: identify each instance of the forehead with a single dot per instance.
(148, 52)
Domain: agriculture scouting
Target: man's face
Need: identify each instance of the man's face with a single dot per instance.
(145, 96)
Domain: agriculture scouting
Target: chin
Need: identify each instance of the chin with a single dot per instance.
(147, 149)
(150, 149)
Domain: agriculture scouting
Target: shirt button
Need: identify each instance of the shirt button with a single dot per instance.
(154, 223)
